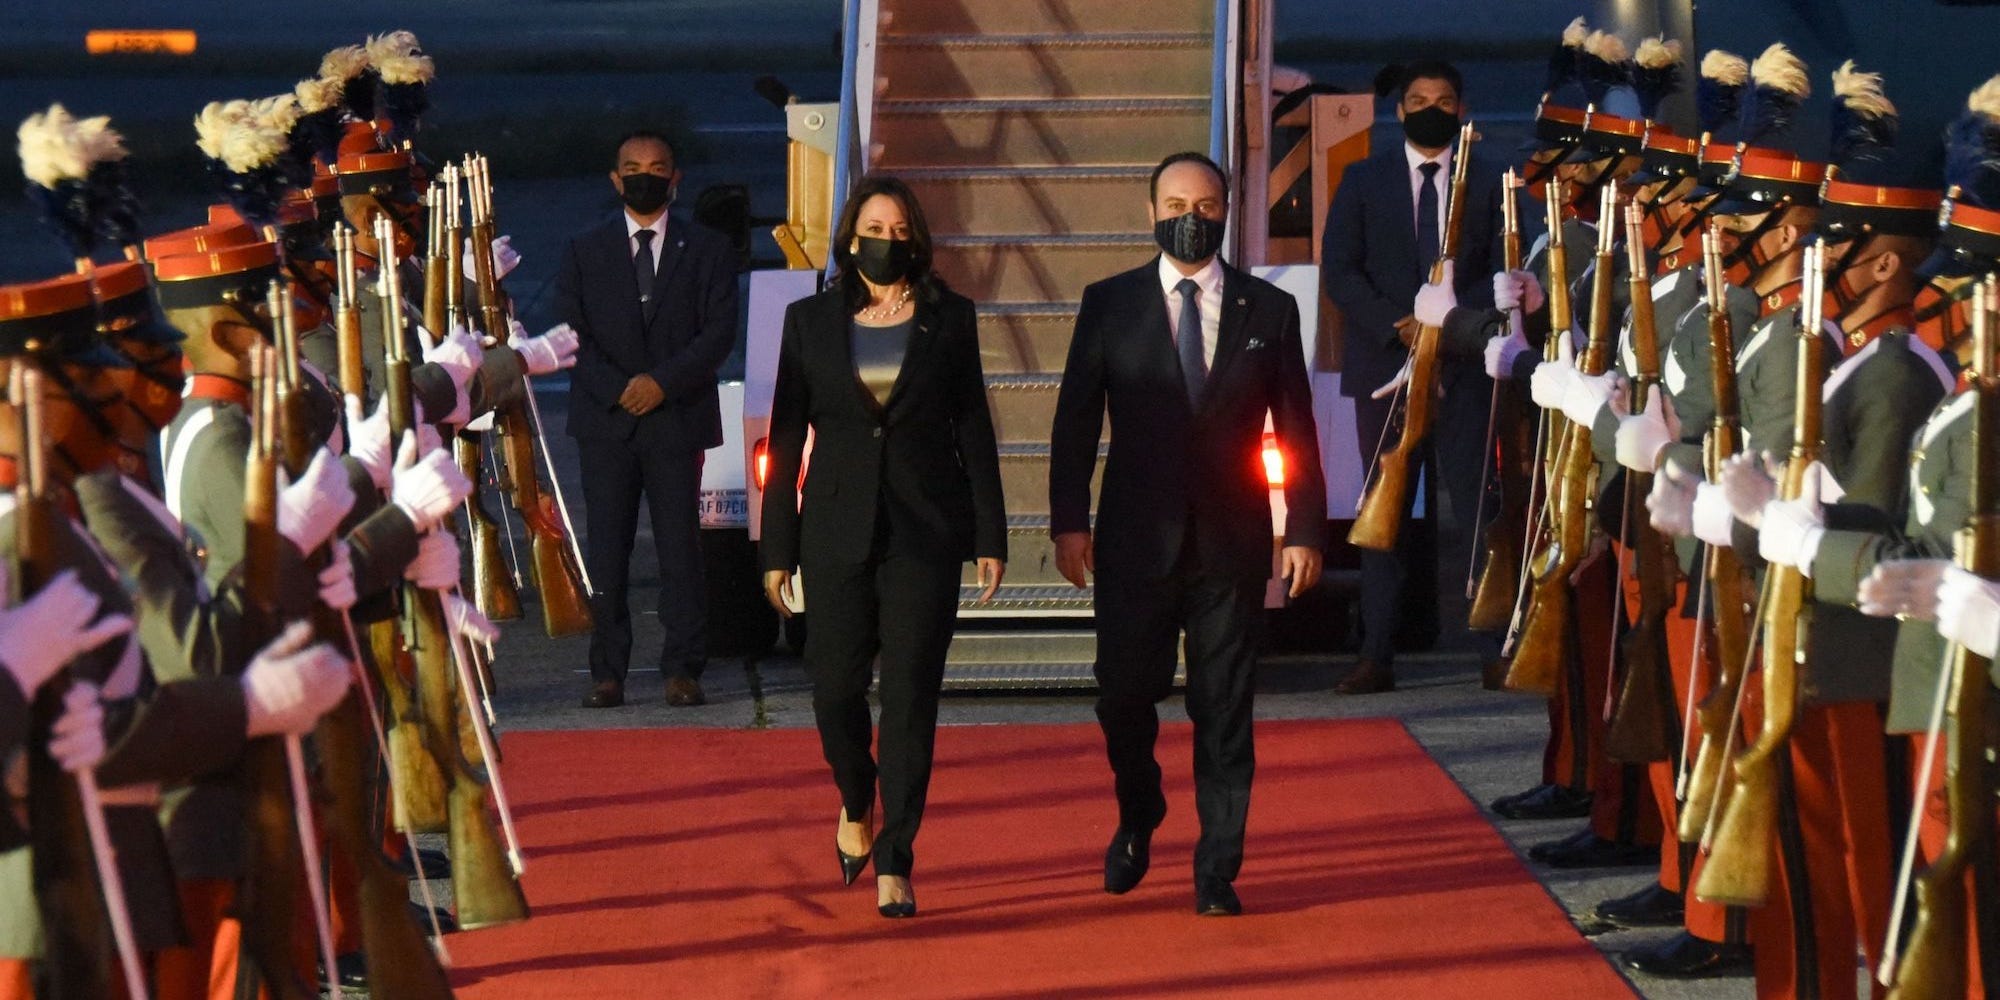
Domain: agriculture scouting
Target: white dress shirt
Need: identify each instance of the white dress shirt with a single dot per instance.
(1209, 280)
(1442, 182)
(659, 245)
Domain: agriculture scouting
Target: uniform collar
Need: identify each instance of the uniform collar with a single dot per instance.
(220, 388)
(1782, 298)
(10, 472)
(1898, 318)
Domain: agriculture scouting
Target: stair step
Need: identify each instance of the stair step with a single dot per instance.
(1036, 268)
(1145, 64)
(1026, 133)
(1032, 200)
(1031, 554)
(1023, 405)
(1024, 477)
(1025, 337)
(969, 647)
(1033, 600)
(1075, 676)
(994, 17)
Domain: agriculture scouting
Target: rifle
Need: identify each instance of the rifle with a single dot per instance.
(1546, 640)
(1641, 729)
(494, 590)
(1511, 449)
(1710, 780)
(484, 878)
(268, 898)
(76, 864)
(436, 259)
(347, 317)
(1936, 963)
(1739, 866)
(1380, 517)
(558, 564)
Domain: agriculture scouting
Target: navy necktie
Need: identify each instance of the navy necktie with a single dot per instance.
(642, 264)
(1194, 369)
(1427, 218)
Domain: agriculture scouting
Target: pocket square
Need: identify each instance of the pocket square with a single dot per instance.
(1254, 343)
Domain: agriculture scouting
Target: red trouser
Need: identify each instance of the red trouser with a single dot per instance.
(206, 967)
(1620, 810)
(1707, 921)
(1834, 848)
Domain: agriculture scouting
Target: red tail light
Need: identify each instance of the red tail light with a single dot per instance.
(760, 461)
(1274, 462)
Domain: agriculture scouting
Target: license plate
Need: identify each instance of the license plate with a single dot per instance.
(725, 509)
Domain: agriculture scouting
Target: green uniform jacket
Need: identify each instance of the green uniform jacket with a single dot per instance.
(500, 381)
(155, 733)
(1937, 502)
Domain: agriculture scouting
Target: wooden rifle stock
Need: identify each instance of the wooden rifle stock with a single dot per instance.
(1380, 517)
(565, 609)
(347, 318)
(1547, 639)
(483, 884)
(1935, 966)
(1739, 867)
(436, 278)
(1513, 443)
(1643, 726)
(1710, 780)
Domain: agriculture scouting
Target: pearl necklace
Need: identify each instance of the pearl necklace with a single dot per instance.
(887, 309)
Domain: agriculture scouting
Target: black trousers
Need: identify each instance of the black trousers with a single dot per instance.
(1451, 459)
(1138, 621)
(899, 607)
(616, 474)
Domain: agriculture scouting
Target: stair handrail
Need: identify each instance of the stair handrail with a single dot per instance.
(847, 148)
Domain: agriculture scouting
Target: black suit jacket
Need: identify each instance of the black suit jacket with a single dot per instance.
(928, 455)
(1368, 261)
(680, 338)
(1170, 461)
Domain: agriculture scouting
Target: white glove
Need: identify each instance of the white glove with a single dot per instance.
(1397, 381)
(1517, 290)
(459, 355)
(1643, 434)
(1587, 394)
(1550, 383)
(1714, 522)
(436, 564)
(1436, 301)
(292, 682)
(1671, 502)
(1749, 481)
(310, 509)
(368, 439)
(1968, 611)
(505, 259)
(1902, 588)
(427, 488)
(551, 352)
(336, 581)
(76, 741)
(467, 621)
(1502, 351)
(42, 634)
(1790, 530)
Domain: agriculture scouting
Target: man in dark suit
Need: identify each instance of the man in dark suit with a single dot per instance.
(1190, 355)
(1383, 232)
(653, 302)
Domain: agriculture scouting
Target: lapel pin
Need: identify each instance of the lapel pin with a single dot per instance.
(1242, 302)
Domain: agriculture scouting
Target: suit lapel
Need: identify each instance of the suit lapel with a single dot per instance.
(921, 333)
(1229, 335)
(1405, 200)
(670, 258)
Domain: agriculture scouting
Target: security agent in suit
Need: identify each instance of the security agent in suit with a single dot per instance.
(1189, 355)
(903, 486)
(1383, 231)
(653, 303)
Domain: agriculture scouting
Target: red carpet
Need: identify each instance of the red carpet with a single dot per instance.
(699, 863)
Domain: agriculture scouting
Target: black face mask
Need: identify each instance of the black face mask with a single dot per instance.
(646, 193)
(881, 261)
(1189, 238)
(1430, 128)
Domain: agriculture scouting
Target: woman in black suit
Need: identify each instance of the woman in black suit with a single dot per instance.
(903, 487)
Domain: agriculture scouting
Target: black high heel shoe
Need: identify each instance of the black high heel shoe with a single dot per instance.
(850, 865)
(899, 909)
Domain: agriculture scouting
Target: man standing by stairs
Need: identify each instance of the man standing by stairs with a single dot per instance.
(1190, 355)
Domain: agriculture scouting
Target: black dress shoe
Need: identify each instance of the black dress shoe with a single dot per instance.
(352, 969)
(435, 864)
(1126, 860)
(605, 694)
(1546, 802)
(1685, 956)
(1585, 849)
(1214, 897)
(1368, 677)
(1653, 906)
(446, 923)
